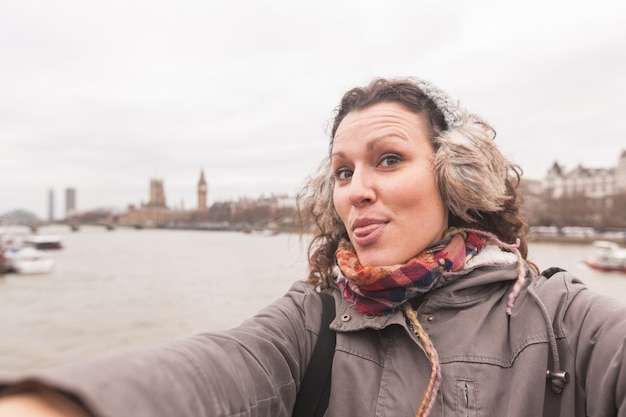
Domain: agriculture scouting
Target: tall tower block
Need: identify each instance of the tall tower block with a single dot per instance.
(70, 201)
(51, 205)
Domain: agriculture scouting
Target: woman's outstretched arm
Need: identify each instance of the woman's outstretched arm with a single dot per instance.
(252, 370)
(37, 401)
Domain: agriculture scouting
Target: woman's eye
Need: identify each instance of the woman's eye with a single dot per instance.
(390, 160)
(343, 174)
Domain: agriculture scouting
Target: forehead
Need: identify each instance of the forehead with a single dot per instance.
(380, 120)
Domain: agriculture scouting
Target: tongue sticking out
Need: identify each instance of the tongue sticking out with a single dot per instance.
(366, 235)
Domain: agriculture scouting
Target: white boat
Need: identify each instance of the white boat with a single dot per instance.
(28, 260)
(609, 257)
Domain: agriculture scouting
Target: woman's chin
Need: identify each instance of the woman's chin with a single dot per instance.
(376, 259)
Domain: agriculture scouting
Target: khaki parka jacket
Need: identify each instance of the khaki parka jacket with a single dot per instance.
(560, 353)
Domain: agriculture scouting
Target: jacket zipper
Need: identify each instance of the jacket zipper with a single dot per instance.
(418, 313)
(466, 400)
(420, 307)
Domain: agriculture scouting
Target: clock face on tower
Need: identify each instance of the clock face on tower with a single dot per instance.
(202, 188)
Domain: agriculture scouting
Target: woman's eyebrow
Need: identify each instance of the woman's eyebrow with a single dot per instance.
(371, 144)
(389, 136)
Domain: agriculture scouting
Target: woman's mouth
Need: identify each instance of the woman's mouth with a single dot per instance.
(366, 233)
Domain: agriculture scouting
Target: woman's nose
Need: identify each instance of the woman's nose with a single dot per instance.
(362, 189)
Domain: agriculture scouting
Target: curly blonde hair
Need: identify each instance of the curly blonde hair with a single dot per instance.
(477, 183)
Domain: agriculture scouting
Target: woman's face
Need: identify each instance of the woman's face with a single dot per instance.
(385, 189)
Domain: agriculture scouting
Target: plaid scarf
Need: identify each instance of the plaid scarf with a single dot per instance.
(378, 290)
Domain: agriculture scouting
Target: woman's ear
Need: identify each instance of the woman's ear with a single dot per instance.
(470, 169)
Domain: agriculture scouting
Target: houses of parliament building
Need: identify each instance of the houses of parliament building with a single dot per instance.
(155, 212)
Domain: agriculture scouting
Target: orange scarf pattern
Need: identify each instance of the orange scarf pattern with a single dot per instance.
(378, 290)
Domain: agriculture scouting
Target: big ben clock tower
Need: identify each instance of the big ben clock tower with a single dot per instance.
(202, 191)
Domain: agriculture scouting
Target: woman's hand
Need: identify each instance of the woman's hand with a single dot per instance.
(42, 403)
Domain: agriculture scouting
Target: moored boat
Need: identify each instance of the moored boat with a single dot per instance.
(28, 260)
(44, 242)
(609, 257)
(3, 261)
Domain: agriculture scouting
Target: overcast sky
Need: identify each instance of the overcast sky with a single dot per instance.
(103, 96)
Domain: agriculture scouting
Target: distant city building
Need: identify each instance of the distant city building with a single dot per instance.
(593, 197)
(286, 201)
(532, 193)
(202, 192)
(155, 212)
(157, 195)
(261, 212)
(51, 205)
(70, 201)
(620, 173)
(588, 182)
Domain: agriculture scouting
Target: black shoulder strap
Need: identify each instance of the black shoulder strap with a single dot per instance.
(312, 399)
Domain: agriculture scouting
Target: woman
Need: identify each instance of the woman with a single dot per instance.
(438, 312)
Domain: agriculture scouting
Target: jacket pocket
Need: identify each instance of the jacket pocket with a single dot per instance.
(466, 398)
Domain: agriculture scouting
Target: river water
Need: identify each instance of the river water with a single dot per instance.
(113, 290)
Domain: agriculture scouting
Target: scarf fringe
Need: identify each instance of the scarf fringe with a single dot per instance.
(435, 375)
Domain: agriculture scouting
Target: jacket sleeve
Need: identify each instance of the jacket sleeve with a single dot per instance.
(252, 370)
(595, 326)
